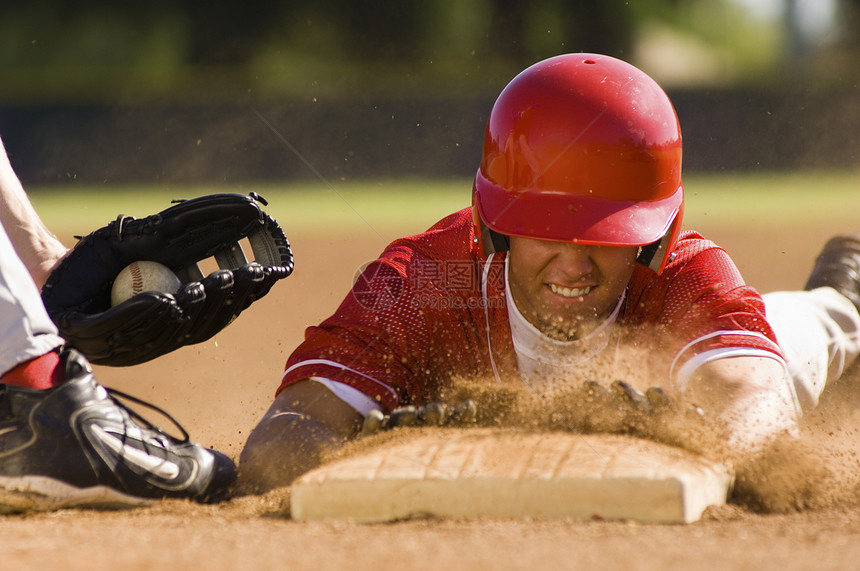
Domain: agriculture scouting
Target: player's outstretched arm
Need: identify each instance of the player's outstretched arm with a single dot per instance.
(748, 401)
(37, 247)
(305, 421)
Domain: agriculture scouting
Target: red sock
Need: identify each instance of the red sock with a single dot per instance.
(40, 373)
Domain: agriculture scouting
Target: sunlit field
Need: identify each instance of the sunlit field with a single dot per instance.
(773, 225)
(410, 205)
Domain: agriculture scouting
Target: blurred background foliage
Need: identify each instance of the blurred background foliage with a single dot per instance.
(191, 91)
(103, 51)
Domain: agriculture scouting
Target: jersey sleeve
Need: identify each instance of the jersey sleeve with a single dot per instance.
(700, 309)
(393, 334)
(374, 342)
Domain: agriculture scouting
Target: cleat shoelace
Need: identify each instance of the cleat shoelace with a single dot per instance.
(118, 396)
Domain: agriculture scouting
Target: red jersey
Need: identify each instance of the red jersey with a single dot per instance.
(430, 309)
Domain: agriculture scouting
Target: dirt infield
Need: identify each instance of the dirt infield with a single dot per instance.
(219, 389)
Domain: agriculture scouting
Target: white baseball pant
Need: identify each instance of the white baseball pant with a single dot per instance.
(26, 331)
(819, 334)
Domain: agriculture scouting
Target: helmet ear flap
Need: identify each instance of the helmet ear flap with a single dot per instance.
(659, 253)
(488, 241)
(652, 254)
(493, 241)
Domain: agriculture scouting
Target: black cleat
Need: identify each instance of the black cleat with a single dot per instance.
(76, 445)
(838, 266)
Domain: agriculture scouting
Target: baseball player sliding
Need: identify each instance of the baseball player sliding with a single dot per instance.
(570, 261)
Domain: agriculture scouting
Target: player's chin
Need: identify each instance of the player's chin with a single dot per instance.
(578, 317)
(562, 311)
(567, 329)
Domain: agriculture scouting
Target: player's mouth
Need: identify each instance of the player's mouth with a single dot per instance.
(569, 291)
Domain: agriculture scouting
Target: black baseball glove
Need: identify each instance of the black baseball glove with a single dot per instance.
(150, 324)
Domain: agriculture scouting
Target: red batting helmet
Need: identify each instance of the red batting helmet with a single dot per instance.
(582, 148)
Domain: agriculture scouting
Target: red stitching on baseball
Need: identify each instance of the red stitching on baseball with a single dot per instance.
(136, 278)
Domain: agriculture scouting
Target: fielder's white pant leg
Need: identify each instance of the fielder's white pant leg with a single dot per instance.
(819, 334)
(26, 331)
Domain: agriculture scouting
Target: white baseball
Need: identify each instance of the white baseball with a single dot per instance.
(142, 276)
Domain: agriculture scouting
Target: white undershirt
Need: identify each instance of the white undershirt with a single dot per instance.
(542, 359)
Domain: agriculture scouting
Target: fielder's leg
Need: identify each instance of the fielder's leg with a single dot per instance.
(26, 331)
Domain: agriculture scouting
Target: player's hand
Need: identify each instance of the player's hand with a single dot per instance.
(432, 414)
(622, 408)
(617, 408)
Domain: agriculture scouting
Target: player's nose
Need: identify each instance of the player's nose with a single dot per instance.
(575, 260)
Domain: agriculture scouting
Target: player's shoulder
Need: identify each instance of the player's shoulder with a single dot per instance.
(693, 237)
(691, 244)
(457, 224)
(449, 238)
(698, 265)
(690, 247)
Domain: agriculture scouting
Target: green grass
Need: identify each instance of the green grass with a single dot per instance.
(397, 206)
(376, 207)
(770, 198)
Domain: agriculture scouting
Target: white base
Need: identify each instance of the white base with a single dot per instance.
(491, 473)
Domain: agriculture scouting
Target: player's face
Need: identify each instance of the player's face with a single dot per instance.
(566, 290)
